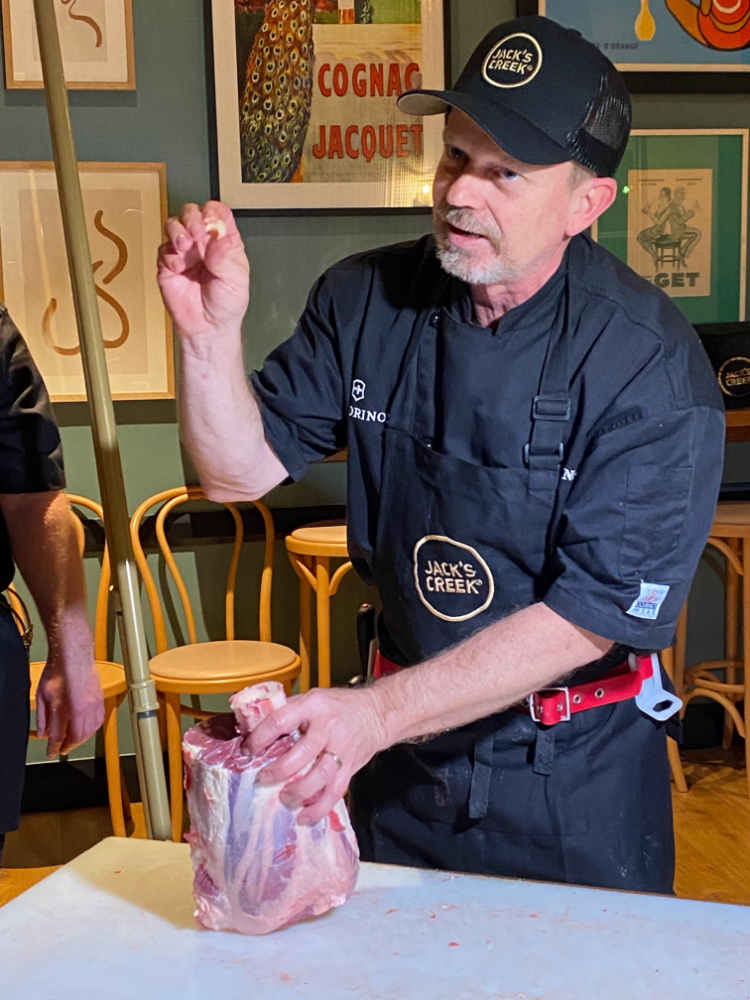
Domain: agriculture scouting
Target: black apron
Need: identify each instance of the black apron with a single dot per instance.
(459, 546)
(15, 687)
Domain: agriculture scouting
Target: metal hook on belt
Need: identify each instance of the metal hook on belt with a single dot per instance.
(653, 699)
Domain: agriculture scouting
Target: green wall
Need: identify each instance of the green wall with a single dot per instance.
(167, 119)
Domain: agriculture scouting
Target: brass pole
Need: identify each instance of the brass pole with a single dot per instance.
(141, 691)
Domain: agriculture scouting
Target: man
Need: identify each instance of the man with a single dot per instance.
(658, 215)
(36, 531)
(678, 219)
(535, 448)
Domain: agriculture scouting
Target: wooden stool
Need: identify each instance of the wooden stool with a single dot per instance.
(730, 534)
(310, 552)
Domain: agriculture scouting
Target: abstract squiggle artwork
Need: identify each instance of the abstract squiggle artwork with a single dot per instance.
(96, 37)
(125, 208)
(119, 267)
(85, 19)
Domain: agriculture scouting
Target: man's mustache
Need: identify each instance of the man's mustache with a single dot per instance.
(470, 222)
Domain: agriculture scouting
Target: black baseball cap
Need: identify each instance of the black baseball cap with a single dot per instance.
(543, 93)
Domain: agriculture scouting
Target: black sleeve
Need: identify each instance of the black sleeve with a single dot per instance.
(635, 524)
(30, 449)
(300, 388)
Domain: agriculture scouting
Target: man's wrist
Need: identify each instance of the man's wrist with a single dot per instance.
(387, 711)
(201, 344)
(69, 640)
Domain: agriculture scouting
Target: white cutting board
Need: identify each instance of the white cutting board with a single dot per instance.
(117, 924)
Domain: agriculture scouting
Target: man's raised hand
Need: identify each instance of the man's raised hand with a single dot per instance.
(203, 270)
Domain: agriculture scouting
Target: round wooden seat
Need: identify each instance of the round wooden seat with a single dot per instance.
(326, 540)
(310, 550)
(216, 667)
(111, 675)
(732, 519)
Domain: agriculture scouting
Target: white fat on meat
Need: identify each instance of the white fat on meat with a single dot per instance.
(253, 704)
(256, 869)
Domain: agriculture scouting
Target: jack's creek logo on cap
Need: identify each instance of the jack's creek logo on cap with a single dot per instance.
(513, 61)
(452, 579)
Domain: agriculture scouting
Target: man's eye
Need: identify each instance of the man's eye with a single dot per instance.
(455, 153)
(508, 175)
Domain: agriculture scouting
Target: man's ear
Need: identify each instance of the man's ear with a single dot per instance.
(590, 200)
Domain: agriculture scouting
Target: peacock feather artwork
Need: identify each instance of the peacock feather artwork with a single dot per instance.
(275, 106)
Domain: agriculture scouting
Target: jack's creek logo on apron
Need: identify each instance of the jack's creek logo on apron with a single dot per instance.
(452, 579)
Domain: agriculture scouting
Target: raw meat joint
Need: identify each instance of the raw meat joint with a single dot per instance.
(256, 870)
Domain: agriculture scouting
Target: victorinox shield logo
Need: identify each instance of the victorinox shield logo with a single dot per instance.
(357, 413)
(358, 390)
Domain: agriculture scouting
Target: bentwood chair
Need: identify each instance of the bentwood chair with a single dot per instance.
(719, 679)
(218, 667)
(310, 551)
(111, 675)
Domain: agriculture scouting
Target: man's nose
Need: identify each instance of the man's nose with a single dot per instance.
(465, 192)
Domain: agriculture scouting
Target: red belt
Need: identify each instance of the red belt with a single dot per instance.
(557, 704)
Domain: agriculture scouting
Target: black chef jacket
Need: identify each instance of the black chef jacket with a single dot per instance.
(643, 459)
(30, 448)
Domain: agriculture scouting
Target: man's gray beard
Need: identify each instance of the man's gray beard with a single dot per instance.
(457, 262)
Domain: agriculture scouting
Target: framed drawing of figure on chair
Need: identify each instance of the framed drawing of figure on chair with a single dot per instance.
(126, 208)
(680, 218)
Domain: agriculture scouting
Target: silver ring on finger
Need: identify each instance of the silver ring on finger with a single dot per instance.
(337, 759)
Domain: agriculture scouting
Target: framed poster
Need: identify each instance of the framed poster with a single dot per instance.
(695, 36)
(680, 218)
(126, 208)
(96, 37)
(306, 93)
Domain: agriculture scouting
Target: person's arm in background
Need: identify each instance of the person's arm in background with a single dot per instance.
(204, 281)
(45, 549)
(41, 533)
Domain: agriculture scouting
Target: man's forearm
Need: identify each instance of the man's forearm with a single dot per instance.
(45, 549)
(220, 421)
(494, 669)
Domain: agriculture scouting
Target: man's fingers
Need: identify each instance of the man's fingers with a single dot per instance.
(314, 813)
(167, 258)
(81, 728)
(189, 214)
(192, 220)
(69, 745)
(177, 235)
(280, 723)
(41, 716)
(57, 720)
(298, 792)
(302, 754)
(56, 735)
(218, 210)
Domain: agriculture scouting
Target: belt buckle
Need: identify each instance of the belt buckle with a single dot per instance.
(532, 705)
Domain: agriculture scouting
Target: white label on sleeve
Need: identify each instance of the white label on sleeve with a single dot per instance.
(648, 602)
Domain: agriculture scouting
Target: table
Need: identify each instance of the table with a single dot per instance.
(118, 923)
